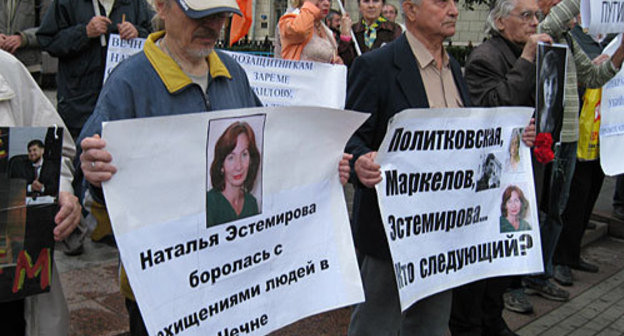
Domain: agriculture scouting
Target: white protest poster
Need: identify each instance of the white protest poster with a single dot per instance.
(118, 50)
(602, 17)
(612, 119)
(457, 198)
(280, 82)
(196, 269)
(612, 126)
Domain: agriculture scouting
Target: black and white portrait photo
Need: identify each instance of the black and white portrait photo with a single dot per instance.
(491, 169)
(551, 63)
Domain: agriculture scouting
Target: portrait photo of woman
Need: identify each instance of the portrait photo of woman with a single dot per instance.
(514, 208)
(550, 88)
(512, 163)
(232, 173)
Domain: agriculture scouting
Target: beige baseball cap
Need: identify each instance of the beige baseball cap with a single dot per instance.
(196, 9)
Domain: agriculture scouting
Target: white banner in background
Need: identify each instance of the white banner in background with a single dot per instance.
(280, 82)
(118, 50)
(194, 267)
(612, 126)
(602, 17)
(457, 198)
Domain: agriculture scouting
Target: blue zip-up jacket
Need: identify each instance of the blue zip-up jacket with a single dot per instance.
(151, 84)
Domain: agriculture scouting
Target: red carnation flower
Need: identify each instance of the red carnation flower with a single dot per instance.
(543, 148)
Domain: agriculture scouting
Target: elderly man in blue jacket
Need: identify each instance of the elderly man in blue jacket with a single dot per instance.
(178, 72)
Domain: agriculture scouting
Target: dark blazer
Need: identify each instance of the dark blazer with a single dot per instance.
(383, 82)
(49, 176)
(498, 76)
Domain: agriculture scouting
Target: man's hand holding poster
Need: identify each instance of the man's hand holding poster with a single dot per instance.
(236, 224)
(457, 198)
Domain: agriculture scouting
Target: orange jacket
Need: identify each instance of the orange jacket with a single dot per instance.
(296, 30)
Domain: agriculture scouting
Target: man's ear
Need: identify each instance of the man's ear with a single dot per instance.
(499, 24)
(409, 9)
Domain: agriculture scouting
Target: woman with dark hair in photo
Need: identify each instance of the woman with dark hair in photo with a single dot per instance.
(233, 173)
(549, 81)
(513, 210)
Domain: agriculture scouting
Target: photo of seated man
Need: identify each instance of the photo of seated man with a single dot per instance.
(42, 178)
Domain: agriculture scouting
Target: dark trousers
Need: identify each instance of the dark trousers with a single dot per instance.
(137, 327)
(12, 317)
(584, 191)
(554, 199)
(618, 196)
(478, 306)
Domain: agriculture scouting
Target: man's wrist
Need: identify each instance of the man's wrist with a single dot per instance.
(23, 39)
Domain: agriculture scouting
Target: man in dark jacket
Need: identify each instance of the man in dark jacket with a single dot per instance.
(71, 31)
(407, 73)
(41, 177)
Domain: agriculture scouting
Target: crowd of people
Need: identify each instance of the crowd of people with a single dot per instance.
(392, 67)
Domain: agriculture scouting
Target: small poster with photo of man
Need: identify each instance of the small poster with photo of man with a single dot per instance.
(551, 76)
(30, 161)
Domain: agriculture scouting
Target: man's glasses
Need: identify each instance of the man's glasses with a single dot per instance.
(527, 16)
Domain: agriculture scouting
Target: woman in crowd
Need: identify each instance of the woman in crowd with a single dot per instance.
(513, 210)
(371, 32)
(233, 174)
(304, 36)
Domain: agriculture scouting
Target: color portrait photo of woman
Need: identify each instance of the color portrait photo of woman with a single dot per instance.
(233, 171)
(514, 208)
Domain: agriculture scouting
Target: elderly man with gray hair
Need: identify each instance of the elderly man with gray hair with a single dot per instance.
(177, 72)
(500, 72)
(413, 71)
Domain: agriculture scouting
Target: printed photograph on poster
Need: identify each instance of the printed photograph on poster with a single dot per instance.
(30, 160)
(551, 74)
(490, 172)
(514, 155)
(234, 169)
(514, 210)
